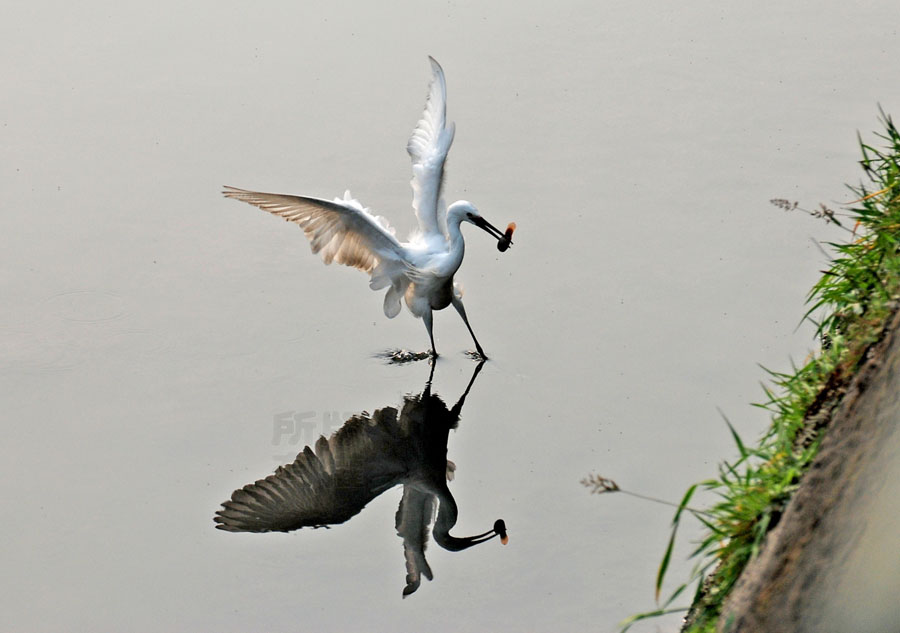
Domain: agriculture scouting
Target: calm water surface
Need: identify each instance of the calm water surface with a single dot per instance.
(163, 346)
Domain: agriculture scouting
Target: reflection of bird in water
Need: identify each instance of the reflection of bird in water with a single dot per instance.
(367, 456)
(419, 271)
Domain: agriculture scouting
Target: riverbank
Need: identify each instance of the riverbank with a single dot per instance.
(832, 564)
(790, 512)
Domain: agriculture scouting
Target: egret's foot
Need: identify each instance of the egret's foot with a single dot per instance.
(403, 356)
(476, 355)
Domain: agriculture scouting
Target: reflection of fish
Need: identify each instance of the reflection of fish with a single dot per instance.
(419, 271)
(367, 456)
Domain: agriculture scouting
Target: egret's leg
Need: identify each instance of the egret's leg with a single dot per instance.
(428, 326)
(457, 303)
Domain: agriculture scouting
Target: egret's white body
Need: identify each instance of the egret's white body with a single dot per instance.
(420, 270)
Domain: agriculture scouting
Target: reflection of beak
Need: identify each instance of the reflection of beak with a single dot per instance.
(500, 529)
(487, 226)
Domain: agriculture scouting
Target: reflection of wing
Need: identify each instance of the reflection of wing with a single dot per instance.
(302, 494)
(320, 488)
(414, 515)
(428, 147)
(342, 230)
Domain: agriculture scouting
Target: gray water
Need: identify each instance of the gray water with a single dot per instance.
(156, 336)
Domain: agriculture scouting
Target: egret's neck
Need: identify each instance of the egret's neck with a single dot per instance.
(457, 243)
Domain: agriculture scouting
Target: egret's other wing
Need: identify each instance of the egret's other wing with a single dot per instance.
(342, 230)
(428, 147)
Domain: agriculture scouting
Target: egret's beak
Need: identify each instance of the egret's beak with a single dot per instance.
(487, 226)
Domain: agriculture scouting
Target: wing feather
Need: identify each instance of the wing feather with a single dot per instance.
(322, 487)
(343, 231)
(428, 147)
(301, 494)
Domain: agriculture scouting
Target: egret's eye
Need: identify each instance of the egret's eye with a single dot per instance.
(470, 215)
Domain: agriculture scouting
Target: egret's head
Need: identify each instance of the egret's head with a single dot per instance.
(462, 211)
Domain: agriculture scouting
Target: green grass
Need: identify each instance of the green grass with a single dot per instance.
(849, 306)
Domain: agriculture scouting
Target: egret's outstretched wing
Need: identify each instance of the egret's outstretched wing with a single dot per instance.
(342, 230)
(428, 147)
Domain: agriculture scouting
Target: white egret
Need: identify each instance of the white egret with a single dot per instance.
(420, 270)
